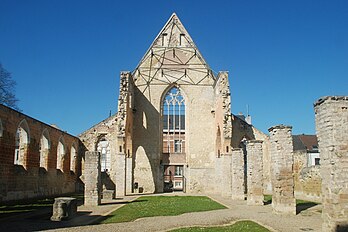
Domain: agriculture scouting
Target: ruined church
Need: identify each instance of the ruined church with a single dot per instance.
(174, 129)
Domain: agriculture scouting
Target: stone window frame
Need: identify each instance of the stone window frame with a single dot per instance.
(61, 154)
(73, 157)
(218, 142)
(164, 41)
(105, 158)
(1, 129)
(22, 141)
(44, 149)
(173, 104)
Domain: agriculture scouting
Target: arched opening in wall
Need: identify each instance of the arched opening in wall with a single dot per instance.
(21, 143)
(242, 145)
(61, 154)
(173, 139)
(1, 129)
(144, 120)
(105, 157)
(73, 158)
(218, 142)
(44, 149)
(173, 115)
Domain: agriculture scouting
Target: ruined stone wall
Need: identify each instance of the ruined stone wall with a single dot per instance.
(222, 110)
(307, 180)
(104, 130)
(200, 152)
(281, 150)
(331, 118)
(117, 130)
(223, 133)
(242, 130)
(28, 179)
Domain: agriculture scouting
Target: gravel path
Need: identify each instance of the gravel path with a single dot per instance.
(307, 220)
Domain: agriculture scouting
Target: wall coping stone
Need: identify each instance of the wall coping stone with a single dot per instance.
(280, 126)
(325, 98)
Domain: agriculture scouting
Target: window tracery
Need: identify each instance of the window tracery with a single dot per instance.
(173, 114)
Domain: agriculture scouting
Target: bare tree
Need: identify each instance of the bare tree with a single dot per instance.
(7, 89)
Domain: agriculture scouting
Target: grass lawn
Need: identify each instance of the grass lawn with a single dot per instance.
(240, 226)
(26, 206)
(161, 206)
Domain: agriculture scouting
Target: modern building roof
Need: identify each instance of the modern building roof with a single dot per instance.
(305, 142)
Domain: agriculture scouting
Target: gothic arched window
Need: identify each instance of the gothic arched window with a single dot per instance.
(173, 111)
(61, 152)
(105, 156)
(21, 143)
(44, 149)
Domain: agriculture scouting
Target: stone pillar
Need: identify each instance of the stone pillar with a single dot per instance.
(282, 160)
(331, 118)
(120, 171)
(254, 172)
(237, 169)
(92, 178)
(129, 175)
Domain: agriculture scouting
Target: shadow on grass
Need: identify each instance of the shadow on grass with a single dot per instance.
(40, 221)
(122, 202)
(304, 205)
(23, 207)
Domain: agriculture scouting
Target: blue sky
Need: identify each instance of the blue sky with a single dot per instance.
(66, 56)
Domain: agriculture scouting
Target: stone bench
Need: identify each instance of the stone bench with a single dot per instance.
(64, 208)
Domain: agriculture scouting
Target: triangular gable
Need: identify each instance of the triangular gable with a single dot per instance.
(173, 57)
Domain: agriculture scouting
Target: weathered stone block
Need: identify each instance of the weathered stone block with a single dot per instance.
(108, 194)
(64, 208)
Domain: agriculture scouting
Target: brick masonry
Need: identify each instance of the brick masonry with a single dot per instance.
(281, 150)
(34, 176)
(331, 118)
